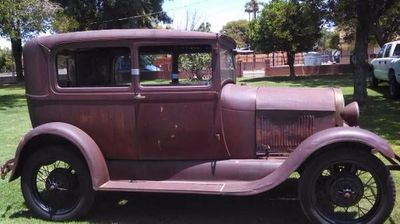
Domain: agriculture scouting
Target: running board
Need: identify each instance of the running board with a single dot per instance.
(189, 187)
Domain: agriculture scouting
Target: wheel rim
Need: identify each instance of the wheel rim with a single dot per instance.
(347, 192)
(56, 188)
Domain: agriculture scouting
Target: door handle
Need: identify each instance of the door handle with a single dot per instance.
(139, 97)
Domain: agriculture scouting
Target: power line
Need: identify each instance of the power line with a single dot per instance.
(150, 14)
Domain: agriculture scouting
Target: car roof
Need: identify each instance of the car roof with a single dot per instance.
(127, 34)
(394, 42)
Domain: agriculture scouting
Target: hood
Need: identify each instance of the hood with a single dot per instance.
(304, 99)
(236, 97)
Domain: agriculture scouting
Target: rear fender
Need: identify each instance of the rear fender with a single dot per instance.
(75, 136)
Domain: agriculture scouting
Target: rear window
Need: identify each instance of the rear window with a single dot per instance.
(94, 67)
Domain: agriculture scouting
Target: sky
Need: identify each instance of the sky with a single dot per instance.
(216, 12)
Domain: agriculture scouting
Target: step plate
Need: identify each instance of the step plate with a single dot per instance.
(166, 186)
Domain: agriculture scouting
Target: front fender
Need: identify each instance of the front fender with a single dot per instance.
(86, 145)
(312, 144)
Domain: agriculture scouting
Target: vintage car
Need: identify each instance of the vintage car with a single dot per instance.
(159, 111)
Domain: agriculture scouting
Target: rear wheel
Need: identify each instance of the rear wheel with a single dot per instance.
(371, 79)
(56, 184)
(394, 87)
(346, 186)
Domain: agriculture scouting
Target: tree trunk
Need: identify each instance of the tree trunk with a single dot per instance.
(360, 57)
(290, 56)
(16, 48)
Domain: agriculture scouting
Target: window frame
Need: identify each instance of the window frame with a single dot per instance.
(178, 88)
(387, 51)
(381, 50)
(87, 45)
(397, 46)
(223, 82)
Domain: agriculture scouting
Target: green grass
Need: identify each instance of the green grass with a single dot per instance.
(382, 117)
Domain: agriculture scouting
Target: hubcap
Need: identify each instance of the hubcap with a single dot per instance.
(57, 187)
(346, 190)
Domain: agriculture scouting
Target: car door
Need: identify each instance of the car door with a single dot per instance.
(385, 62)
(177, 113)
(94, 90)
(377, 63)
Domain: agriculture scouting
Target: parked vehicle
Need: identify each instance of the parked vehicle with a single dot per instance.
(386, 67)
(102, 121)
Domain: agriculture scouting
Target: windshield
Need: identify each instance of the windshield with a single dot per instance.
(227, 67)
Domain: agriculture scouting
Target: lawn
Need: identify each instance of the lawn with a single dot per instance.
(381, 117)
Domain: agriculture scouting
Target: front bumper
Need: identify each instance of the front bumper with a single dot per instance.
(6, 168)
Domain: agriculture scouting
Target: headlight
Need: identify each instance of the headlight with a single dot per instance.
(350, 114)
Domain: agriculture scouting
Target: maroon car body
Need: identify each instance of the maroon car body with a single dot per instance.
(129, 105)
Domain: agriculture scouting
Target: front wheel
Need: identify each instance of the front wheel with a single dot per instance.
(346, 186)
(56, 184)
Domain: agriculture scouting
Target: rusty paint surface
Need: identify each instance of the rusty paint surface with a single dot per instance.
(280, 132)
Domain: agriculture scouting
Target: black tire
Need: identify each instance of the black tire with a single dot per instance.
(56, 184)
(371, 80)
(394, 87)
(336, 187)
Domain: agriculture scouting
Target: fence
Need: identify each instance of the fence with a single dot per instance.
(276, 64)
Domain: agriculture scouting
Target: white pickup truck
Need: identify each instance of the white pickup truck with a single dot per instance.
(386, 67)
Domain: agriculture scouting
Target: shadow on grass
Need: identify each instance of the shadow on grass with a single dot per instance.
(12, 100)
(275, 207)
(17, 86)
(382, 115)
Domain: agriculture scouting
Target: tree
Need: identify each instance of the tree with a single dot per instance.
(388, 25)
(329, 39)
(365, 17)
(106, 14)
(289, 26)
(204, 27)
(23, 19)
(6, 63)
(237, 30)
(252, 7)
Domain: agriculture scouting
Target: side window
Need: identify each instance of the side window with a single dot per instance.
(381, 51)
(387, 51)
(227, 68)
(175, 65)
(94, 67)
(396, 51)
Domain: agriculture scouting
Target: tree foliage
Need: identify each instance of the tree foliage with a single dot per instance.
(252, 7)
(286, 25)
(237, 30)
(388, 25)
(329, 39)
(204, 27)
(23, 19)
(6, 63)
(109, 14)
